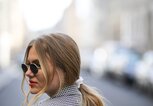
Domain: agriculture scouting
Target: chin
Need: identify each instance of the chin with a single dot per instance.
(34, 90)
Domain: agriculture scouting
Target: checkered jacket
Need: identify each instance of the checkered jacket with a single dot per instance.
(68, 96)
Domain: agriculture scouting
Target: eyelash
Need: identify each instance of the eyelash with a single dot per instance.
(38, 64)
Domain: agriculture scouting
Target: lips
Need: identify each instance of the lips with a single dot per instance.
(32, 83)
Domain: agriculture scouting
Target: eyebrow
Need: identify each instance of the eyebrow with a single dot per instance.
(33, 61)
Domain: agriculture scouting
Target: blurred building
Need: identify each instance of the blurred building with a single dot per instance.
(97, 21)
(90, 22)
(11, 31)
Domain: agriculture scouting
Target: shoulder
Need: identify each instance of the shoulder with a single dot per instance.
(71, 100)
(68, 96)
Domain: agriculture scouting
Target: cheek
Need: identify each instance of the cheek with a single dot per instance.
(41, 80)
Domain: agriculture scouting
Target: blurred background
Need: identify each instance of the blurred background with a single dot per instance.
(115, 38)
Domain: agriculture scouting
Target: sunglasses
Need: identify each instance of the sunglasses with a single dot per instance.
(33, 67)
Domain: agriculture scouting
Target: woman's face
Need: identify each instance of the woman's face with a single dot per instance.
(37, 81)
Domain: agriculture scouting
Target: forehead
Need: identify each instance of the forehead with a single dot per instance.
(32, 55)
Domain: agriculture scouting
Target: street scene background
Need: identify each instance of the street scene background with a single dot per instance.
(115, 39)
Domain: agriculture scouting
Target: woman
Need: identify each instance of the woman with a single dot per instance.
(52, 66)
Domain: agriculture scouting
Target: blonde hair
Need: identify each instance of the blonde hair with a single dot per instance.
(63, 52)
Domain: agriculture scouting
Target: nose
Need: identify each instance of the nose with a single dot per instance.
(29, 73)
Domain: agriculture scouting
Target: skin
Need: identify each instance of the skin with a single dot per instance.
(37, 82)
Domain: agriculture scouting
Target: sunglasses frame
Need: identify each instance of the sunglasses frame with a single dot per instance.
(33, 67)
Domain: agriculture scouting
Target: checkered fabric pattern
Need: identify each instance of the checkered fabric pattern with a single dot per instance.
(68, 96)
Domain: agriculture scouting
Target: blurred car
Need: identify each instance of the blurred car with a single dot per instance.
(129, 69)
(122, 63)
(86, 58)
(98, 63)
(101, 57)
(117, 62)
(151, 80)
(114, 60)
(144, 71)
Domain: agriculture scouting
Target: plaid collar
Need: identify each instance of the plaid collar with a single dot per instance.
(68, 90)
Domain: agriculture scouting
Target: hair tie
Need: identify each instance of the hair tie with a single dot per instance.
(79, 82)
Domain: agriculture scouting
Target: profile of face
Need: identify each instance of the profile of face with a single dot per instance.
(37, 81)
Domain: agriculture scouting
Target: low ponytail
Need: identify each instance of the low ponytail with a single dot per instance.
(90, 96)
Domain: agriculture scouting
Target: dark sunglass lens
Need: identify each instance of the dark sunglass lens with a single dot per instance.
(34, 68)
(24, 67)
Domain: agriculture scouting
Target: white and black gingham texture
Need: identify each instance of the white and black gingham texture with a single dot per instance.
(68, 96)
